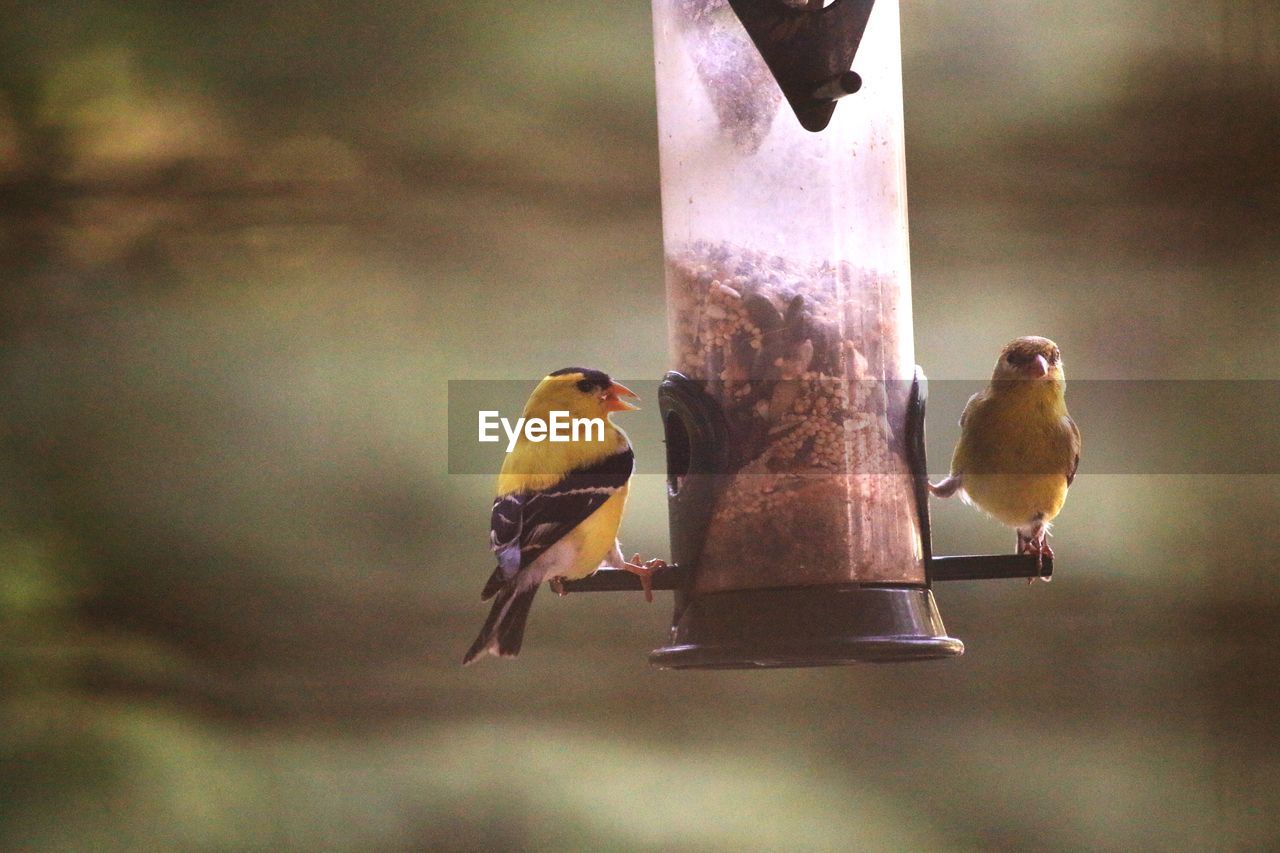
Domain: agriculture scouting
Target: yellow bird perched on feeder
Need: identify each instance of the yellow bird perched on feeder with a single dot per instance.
(558, 505)
(1019, 448)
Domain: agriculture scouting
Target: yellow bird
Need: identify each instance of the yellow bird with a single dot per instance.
(1019, 448)
(558, 505)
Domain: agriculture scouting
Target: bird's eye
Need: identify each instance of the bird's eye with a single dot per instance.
(585, 386)
(1009, 358)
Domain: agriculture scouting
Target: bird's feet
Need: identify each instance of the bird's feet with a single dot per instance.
(1037, 544)
(557, 586)
(645, 572)
(947, 487)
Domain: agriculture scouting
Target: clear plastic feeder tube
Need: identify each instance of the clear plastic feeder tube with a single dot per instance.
(788, 292)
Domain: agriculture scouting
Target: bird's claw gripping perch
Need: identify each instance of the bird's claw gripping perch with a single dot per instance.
(946, 488)
(1037, 544)
(645, 572)
(557, 586)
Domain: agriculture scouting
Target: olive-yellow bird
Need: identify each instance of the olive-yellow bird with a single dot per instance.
(1019, 448)
(558, 505)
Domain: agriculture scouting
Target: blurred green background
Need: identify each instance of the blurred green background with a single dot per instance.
(244, 246)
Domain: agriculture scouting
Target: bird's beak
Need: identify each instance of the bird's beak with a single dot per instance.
(613, 404)
(1038, 368)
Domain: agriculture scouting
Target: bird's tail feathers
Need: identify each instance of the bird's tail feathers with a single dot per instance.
(503, 631)
(495, 582)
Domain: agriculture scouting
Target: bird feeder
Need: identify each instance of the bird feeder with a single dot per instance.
(793, 413)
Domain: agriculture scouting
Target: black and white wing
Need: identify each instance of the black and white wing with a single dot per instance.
(523, 525)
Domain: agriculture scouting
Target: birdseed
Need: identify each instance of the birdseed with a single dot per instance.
(796, 356)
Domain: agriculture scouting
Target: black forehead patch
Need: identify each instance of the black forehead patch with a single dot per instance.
(594, 378)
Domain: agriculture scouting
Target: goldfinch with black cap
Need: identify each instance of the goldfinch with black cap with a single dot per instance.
(1019, 448)
(558, 506)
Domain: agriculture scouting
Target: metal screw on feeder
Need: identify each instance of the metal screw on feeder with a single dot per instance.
(848, 83)
(794, 414)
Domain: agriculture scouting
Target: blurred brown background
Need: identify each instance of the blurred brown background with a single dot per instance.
(243, 248)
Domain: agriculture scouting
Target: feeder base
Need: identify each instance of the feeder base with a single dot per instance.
(807, 626)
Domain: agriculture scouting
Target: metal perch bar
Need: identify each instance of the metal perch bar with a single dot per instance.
(620, 580)
(965, 568)
(981, 567)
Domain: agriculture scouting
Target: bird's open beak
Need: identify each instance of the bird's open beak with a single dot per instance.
(612, 403)
(1038, 368)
